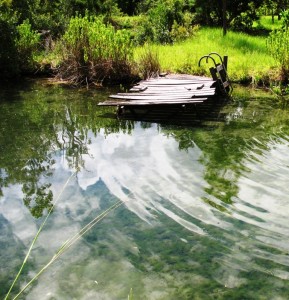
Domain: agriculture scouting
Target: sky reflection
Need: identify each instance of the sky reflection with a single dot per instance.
(155, 179)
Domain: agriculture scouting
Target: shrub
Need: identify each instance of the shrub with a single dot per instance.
(167, 21)
(8, 51)
(94, 51)
(26, 43)
(278, 46)
(243, 22)
(184, 30)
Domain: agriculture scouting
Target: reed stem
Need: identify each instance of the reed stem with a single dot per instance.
(36, 237)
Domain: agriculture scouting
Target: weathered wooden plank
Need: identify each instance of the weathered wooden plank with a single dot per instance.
(137, 103)
(178, 84)
(171, 93)
(152, 102)
(180, 78)
(142, 88)
(138, 88)
(159, 97)
(170, 82)
(176, 88)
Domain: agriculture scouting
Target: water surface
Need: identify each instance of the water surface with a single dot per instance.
(204, 211)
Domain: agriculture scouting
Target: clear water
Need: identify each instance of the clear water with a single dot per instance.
(205, 209)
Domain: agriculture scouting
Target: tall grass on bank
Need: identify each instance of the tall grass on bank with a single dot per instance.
(249, 59)
(148, 63)
(278, 45)
(94, 51)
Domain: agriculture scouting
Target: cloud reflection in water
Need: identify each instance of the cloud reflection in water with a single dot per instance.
(145, 170)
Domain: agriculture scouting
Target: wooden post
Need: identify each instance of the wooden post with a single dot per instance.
(225, 62)
(213, 72)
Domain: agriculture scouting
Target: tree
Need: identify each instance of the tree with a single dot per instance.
(224, 17)
(8, 50)
(128, 6)
(233, 13)
(276, 7)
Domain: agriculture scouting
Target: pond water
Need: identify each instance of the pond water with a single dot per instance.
(196, 212)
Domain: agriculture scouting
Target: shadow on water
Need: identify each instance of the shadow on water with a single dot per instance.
(189, 115)
(204, 211)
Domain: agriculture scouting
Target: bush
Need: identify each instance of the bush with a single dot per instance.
(243, 22)
(27, 43)
(184, 30)
(94, 51)
(8, 52)
(167, 21)
(278, 46)
(17, 47)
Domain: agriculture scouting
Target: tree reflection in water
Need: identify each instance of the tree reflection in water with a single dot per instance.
(36, 122)
(41, 125)
(53, 119)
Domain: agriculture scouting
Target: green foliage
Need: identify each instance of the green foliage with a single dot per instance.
(37, 198)
(50, 15)
(95, 51)
(8, 51)
(244, 21)
(240, 14)
(5, 3)
(18, 46)
(278, 45)
(96, 40)
(180, 32)
(162, 17)
(128, 6)
(167, 21)
(285, 18)
(27, 43)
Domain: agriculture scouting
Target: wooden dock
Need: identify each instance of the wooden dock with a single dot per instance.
(168, 90)
(171, 97)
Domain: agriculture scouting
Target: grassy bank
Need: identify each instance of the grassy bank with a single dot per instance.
(249, 60)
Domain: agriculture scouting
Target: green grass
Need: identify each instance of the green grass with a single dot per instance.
(248, 56)
(249, 59)
(266, 23)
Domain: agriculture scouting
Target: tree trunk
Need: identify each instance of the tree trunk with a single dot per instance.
(224, 17)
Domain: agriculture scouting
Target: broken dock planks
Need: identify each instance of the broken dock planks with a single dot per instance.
(168, 101)
(170, 95)
(161, 97)
(166, 90)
